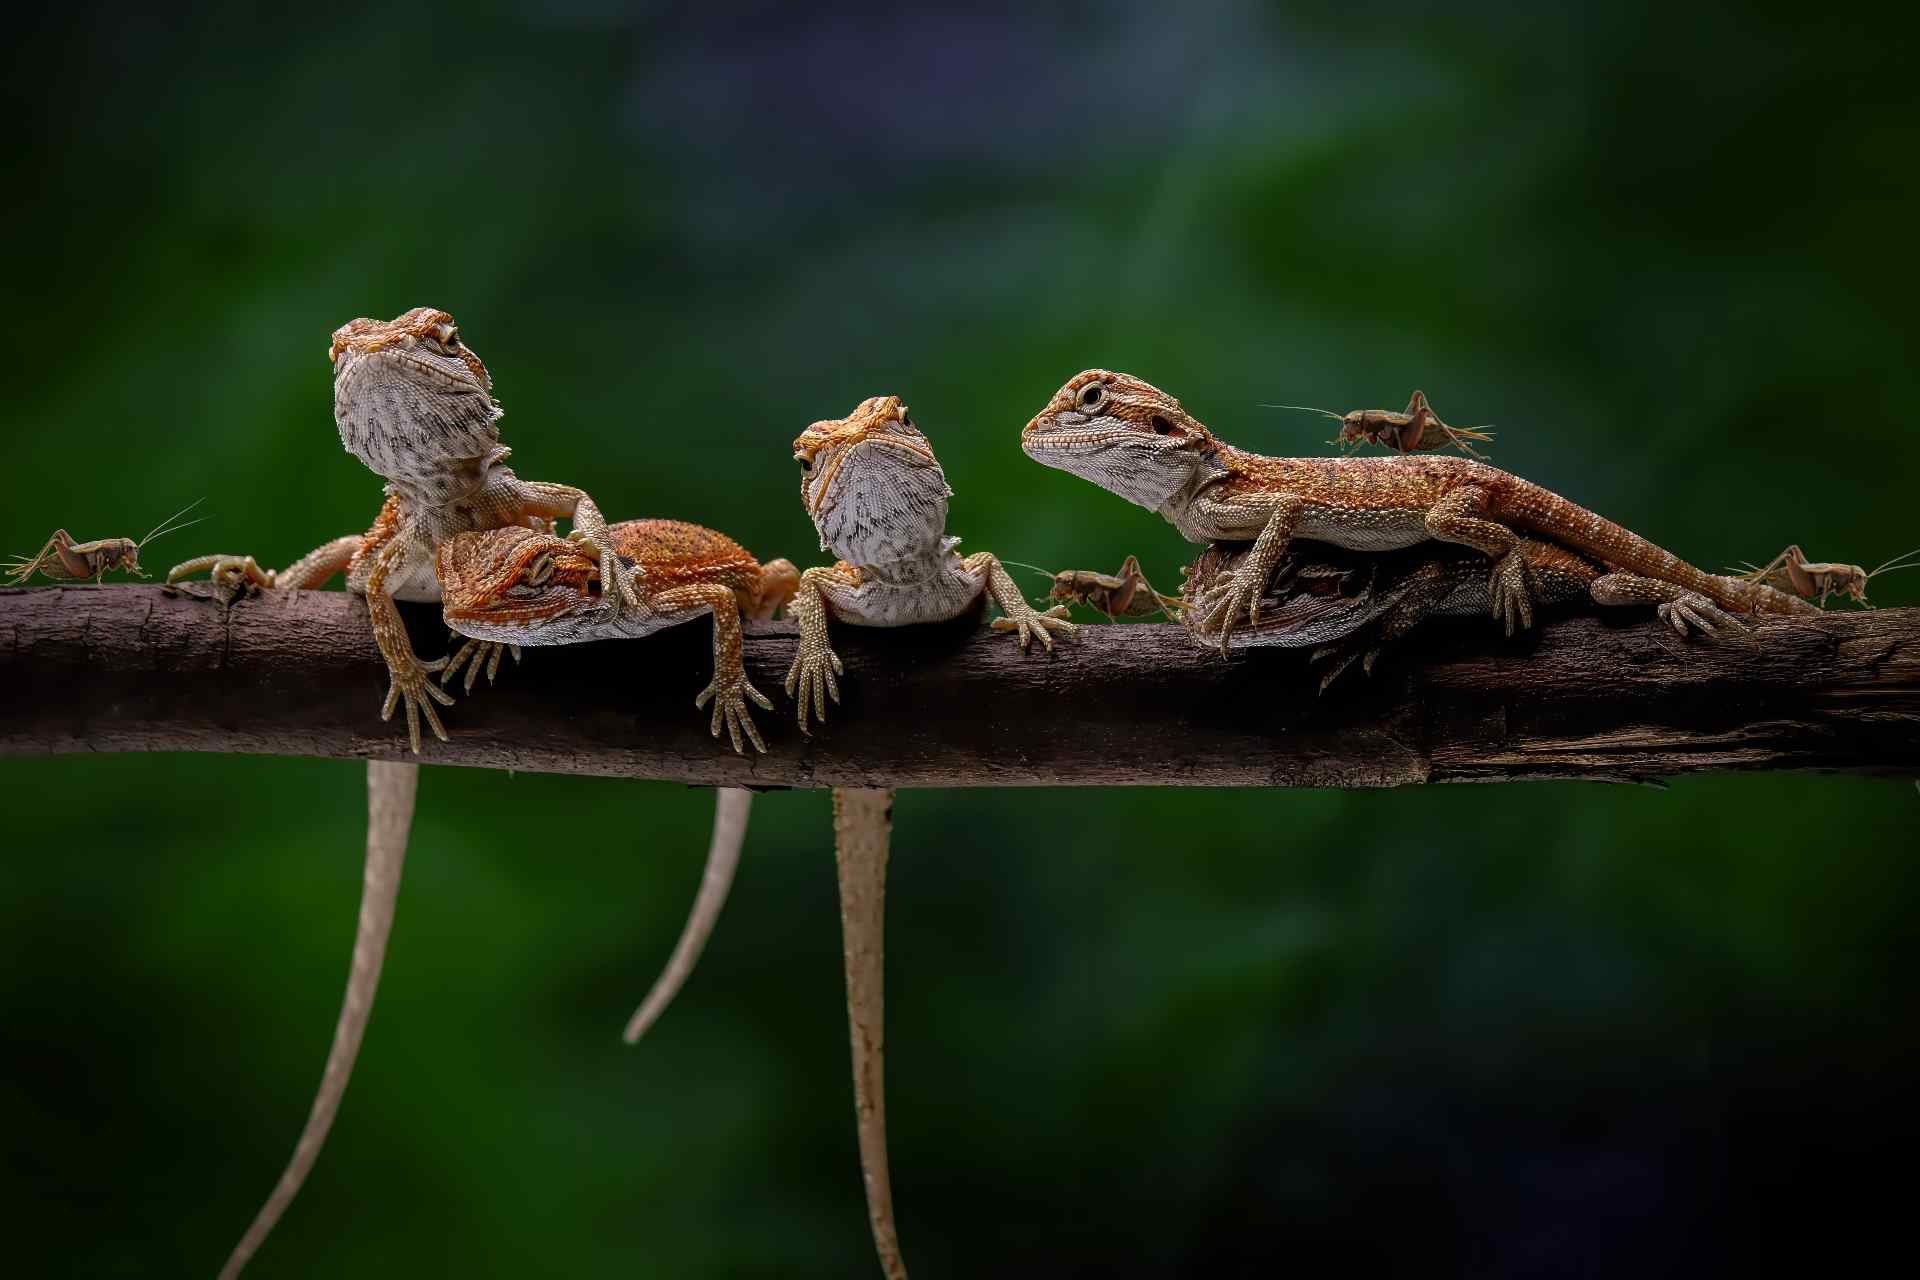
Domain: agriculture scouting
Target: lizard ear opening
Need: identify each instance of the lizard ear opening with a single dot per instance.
(1164, 427)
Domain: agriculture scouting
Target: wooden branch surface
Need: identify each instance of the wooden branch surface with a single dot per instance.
(129, 668)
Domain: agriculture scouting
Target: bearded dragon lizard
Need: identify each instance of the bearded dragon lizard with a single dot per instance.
(526, 587)
(1135, 440)
(878, 498)
(415, 404)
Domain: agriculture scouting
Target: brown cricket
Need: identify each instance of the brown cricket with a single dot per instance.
(1818, 579)
(1417, 430)
(63, 559)
(1126, 594)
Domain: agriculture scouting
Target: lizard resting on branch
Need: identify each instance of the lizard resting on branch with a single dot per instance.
(878, 498)
(526, 587)
(415, 404)
(1135, 440)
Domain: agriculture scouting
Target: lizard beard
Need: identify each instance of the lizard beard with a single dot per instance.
(1137, 475)
(408, 423)
(885, 505)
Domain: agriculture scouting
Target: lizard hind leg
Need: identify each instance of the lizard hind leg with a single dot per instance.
(390, 795)
(1674, 605)
(863, 833)
(730, 810)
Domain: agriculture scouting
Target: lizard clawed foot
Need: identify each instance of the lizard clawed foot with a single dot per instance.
(229, 576)
(420, 693)
(1345, 655)
(811, 679)
(1512, 597)
(729, 697)
(473, 655)
(1033, 623)
(1221, 606)
(1690, 609)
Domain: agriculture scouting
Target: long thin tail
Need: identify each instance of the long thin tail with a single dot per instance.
(390, 793)
(862, 833)
(730, 809)
(1542, 511)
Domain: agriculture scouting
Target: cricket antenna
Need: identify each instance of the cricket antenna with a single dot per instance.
(1307, 408)
(1898, 562)
(168, 525)
(1021, 564)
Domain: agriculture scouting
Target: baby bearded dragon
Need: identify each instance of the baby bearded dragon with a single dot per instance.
(878, 498)
(1133, 439)
(524, 587)
(415, 404)
(1331, 598)
(527, 587)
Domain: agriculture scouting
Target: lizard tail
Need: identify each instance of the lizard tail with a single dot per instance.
(862, 833)
(731, 805)
(390, 793)
(1545, 512)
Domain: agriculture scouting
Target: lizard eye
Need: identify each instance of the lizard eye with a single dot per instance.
(806, 463)
(1092, 394)
(446, 334)
(540, 570)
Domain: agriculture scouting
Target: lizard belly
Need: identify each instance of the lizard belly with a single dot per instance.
(940, 598)
(1363, 530)
(418, 581)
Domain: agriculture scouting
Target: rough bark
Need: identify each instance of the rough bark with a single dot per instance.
(128, 668)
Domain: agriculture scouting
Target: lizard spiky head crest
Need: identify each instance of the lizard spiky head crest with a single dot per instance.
(513, 578)
(409, 396)
(871, 483)
(1121, 432)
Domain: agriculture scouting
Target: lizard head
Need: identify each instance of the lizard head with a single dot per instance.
(409, 396)
(871, 484)
(497, 584)
(1124, 434)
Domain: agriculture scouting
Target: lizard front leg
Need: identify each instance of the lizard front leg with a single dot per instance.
(1241, 594)
(231, 576)
(406, 672)
(816, 667)
(1020, 616)
(548, 500)
(1460, 516)
(729, 689)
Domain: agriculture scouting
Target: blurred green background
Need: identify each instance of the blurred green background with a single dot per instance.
(1555, 1029)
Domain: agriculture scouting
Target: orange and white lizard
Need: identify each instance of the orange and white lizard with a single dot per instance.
(415, 404)
(878, 498)
(1135, 440)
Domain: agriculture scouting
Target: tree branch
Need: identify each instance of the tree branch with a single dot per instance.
(129, 668)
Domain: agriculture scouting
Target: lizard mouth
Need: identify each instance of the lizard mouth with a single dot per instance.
(1066, 431)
